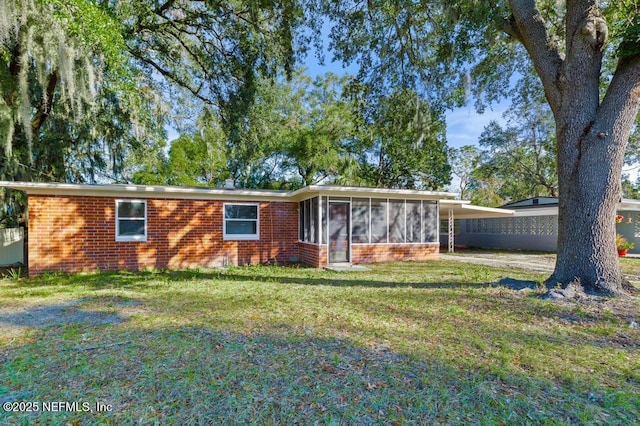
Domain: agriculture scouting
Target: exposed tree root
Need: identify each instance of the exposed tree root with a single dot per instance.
(575, 291)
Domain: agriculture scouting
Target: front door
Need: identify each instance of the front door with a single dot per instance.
(339, 238)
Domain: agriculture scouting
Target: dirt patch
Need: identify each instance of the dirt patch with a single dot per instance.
(86, 311)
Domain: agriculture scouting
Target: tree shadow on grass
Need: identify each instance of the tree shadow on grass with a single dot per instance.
(123, 279)
(204, 375)
(149, 281)
(342, 281)
(78, 311)
(144, 280)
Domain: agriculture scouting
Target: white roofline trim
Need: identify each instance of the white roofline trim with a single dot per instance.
(629, 204)
(144, 191)
(354, 191)
(551, 210)
(157, 191)
(465, 211)
(455, 202)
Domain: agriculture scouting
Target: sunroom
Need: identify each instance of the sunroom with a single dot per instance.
(363, 225)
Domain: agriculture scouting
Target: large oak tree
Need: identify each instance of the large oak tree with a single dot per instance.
(591, 131)
(587, 56)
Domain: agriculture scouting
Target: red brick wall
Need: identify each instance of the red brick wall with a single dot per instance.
(73, 234)
(313, 254)
(372, 253)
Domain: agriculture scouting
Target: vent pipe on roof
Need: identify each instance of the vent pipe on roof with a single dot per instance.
(228, 184)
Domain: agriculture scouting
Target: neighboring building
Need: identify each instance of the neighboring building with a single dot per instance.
(78, 227)
(534, 226)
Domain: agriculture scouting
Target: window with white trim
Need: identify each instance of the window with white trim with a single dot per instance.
(131, 220)
(241, 222)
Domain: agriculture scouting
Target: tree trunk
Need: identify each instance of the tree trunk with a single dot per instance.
(591, 136)
(589, 187)
(590, 160)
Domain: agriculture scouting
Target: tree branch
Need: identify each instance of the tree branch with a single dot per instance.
(532, 33)
(622, 95)
(508, 26)
(171, 76)
(47, 103)
(187, 49)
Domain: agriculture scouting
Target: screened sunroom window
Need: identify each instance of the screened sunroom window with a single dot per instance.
(414, 231)
(309, 220)
(373, 220)
(313, 224)
(360, 220)
(430, 222)
(396, 221)
(324, 214)
(378, 221)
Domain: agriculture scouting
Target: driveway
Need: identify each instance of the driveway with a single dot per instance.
(529, 261)
(538, 262)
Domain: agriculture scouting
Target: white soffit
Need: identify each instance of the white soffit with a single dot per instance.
(470, 211)
(356, 192)
(629, 204)
(537, 211)
(180, 192)
(145, 191)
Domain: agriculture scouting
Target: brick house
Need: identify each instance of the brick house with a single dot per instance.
(79, 227)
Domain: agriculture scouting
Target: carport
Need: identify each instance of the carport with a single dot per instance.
(461, 209)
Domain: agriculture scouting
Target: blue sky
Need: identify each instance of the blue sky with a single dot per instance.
(464, 125)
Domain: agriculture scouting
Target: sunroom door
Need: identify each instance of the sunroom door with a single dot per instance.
(339, 232)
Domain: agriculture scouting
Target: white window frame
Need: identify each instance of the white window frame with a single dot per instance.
(231, 237)
(118, 218)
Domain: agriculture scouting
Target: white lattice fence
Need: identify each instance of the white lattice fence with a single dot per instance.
(520, 232)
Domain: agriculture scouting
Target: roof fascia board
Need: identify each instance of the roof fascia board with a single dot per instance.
(455, 202)
(357, 192)
(471, 211)
(142, 191)
(629, 204)
(551, 210)
(176, 192)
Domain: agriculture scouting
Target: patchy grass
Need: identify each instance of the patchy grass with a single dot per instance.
(431, 342)
(630, 266)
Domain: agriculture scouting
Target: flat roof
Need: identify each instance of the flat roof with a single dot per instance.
(464, 210)
(357, 191)
(629, 204)
(163, 191)
(142, 191)
(552, 202)
(532, 202)
(461, 208)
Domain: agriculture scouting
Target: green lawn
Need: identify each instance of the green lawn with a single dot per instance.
(425, 343)
(631, 266)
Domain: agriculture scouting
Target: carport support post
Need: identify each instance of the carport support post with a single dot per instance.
(451, 230)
